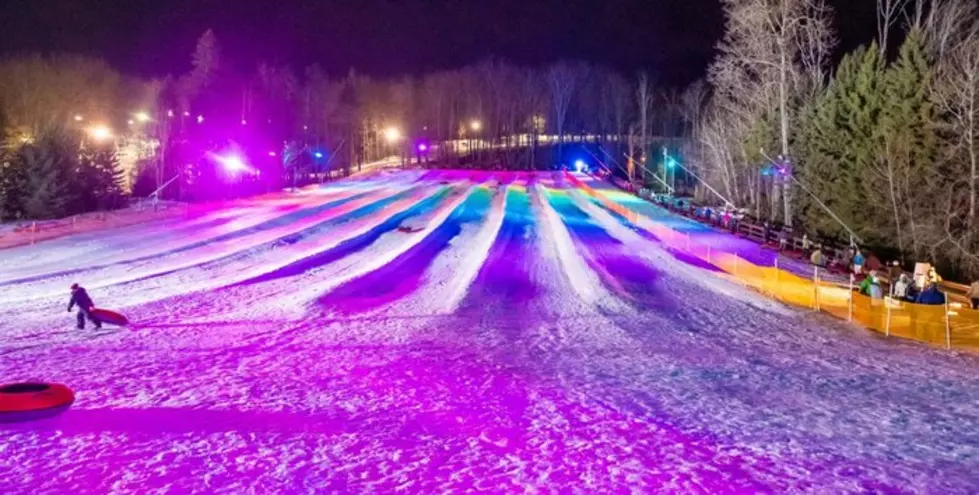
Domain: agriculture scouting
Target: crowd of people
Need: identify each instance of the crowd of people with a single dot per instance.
(864, 267)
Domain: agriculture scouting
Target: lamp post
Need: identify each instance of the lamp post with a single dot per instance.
(669, 169)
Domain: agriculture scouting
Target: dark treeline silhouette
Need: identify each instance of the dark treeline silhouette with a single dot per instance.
(296, 126)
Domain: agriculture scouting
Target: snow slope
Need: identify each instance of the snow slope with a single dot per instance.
(455, 331)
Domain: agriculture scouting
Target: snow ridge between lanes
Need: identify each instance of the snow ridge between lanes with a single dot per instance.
(665, 262)
(470, 266)
(362, 263)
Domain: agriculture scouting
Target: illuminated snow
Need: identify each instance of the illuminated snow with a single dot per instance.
(514, 337)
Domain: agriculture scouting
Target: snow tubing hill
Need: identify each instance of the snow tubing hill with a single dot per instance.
(110, 317)
(28, 401)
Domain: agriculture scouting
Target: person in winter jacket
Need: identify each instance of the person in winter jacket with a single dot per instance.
(867, 282)
(858, 261)
(913, 291)
(900, 288)
(875, 292)
(894, 273)
(931, 296)
(79, 297)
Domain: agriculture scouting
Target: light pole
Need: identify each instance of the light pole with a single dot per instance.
(669, 169)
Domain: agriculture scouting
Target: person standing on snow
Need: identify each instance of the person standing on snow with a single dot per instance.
(79, 296)
(931, 296)
(894, 273)
(867, 282)
(874, 291)
(900, 288)
(858, 261)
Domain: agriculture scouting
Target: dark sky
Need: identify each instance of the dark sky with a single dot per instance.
(673, 39)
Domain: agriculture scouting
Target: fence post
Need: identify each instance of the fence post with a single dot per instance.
(815, 288)
(948, 326)
(849, 315)
(887, 321)
(776, 289)
(708, 255)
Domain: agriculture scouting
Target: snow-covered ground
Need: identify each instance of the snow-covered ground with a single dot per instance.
(512, 336)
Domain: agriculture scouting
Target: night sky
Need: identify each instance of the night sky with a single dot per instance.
(672, 39)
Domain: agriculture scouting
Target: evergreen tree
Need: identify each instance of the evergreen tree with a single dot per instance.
(97, 181)
(906, 172)
(46, 168)
(12, 179)
(839, 143)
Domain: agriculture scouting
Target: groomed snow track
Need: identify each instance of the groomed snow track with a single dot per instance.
(432, 332)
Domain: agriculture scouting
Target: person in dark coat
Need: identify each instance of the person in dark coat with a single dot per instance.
(85, 305)
(931, 296)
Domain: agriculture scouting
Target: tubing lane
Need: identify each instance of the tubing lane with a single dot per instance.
(242, 228)
(620, 272)
(406, 273)
(351, 245)
(230, 273)
(184, 259)
(505, 278)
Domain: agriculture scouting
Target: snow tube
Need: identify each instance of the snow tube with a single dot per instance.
(409, 230)
(109, 316)
(28, 401)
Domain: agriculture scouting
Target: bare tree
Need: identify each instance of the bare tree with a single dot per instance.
(616, 95)
(563, 79)
(952, 33)
(644, 100)
(887, 16)
(768, 47)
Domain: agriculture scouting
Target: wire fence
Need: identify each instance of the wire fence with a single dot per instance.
(951, 325)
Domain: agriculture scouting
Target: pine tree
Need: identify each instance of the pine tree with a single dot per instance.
(45, 191)
(909, 143)
(839, 143)
(97, 181)
(206, 60)
(12, 178)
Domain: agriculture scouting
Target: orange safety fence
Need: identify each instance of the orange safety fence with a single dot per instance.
(951, 325)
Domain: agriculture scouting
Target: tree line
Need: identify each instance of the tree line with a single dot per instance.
(880, 149)
(298, 126)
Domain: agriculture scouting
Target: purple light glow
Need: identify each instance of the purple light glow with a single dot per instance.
(422, 147)
(272, 153)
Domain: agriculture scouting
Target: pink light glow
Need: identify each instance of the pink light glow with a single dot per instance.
(271, 153)
(422, 147)
(232, 163)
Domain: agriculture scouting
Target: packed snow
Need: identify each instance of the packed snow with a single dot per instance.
(452, 331)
